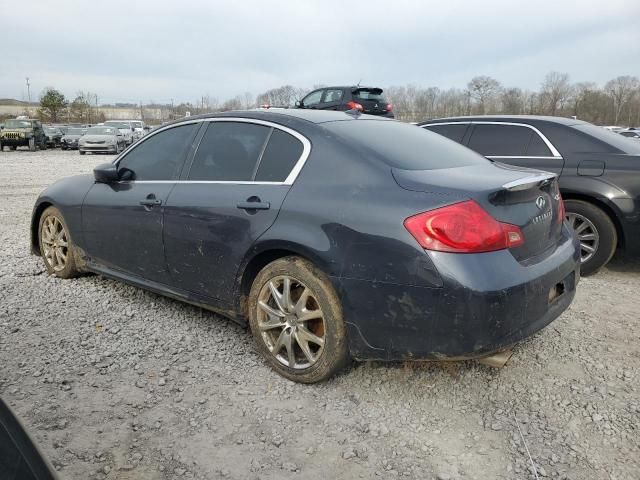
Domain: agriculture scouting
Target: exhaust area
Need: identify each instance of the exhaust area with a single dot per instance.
(497, 360)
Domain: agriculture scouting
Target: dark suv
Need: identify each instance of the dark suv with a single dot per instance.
(365, 99)
(599, 172)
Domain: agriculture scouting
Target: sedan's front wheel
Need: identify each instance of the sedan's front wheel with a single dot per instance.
(296, 320)
(56, 246)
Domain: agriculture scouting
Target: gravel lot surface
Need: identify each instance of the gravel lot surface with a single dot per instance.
(117, 383)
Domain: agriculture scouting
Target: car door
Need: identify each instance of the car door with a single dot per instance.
(123, 221)
(516, 144)
(313, 100)
(231, 194)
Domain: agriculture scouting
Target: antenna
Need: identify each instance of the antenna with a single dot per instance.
(28, 89)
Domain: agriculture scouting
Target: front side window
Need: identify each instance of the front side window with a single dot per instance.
(160, 156)
(229, 151)
(500, 140)
(453, 132)
(312, 99)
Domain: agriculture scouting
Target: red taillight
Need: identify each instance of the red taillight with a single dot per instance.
(463, 227)
(389, 107)
(561, 211)
(355, 105)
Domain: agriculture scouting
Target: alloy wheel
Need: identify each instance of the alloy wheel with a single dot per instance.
(587, 234)
(291, 322)
(55, 243)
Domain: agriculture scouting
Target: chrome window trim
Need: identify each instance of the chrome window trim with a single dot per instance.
(555, 154)
(293, 174)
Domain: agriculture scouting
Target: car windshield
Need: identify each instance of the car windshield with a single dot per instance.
(76, 131)
(101, 131)
(616, 140)
(17, 124)
(405, 146)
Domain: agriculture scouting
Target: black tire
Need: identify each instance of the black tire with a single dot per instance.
(81, 152)
(607, 237)
(13, 148)
(69, 269)
(324, 361)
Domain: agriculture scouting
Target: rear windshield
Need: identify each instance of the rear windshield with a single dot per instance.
(626, 145)
(405, 146)
(374, 94)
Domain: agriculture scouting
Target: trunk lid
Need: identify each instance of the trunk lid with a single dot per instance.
(527, 198)
(371, 100)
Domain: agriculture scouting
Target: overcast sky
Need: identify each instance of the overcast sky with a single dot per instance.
(142, 50)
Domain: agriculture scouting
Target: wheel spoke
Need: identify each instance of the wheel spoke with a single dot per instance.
(271, 324)
(582, 227)
(272, 312)
(286, 293)
(277, 297)
(304, 346)
(307, 315)
(279, 343)
(301, 304)
(588, 248)
(587, 236)
(307, 336)
(288, 345)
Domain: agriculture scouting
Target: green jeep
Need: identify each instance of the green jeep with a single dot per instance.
(23, 133)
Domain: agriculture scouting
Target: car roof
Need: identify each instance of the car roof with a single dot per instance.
(312, 116)
(508, 118)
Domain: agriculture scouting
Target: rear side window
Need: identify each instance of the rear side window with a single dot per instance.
(405, 146)
(228, 151)
(453, 132)
(332, 96)
(537, 147)
(282, 153)
(160, 156)
(500, 140)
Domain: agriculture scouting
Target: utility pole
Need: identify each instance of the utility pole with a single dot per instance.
(172, 115)
(141, 112)
(28, 90)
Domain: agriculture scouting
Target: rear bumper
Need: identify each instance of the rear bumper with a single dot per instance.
(488, 302)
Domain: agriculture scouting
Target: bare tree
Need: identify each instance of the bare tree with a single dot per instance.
(621, 89)
(483, 89)
(512, 101)
(555, 91)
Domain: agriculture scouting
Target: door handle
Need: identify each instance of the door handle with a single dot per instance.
(252, 204)
(150, 201)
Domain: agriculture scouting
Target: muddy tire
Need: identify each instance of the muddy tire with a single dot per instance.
(56, 245)
(295, 317)
(596, 232)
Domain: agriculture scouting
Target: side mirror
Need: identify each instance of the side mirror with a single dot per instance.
(106, 173)
(20, 456)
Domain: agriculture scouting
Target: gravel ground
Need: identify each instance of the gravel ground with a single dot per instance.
(117, 383)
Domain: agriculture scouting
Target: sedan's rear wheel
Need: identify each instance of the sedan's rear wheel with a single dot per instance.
(296, 320)
(596, 232)
(56, 246)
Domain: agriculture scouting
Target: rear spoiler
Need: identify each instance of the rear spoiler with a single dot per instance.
(526, 182)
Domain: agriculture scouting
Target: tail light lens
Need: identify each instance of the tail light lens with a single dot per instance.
(389, 107)
(463, 227)
(355, 105)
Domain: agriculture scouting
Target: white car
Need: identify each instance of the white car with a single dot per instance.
(138, 128)
(125, 127)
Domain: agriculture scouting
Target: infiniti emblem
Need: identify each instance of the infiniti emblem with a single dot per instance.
(540, 202)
